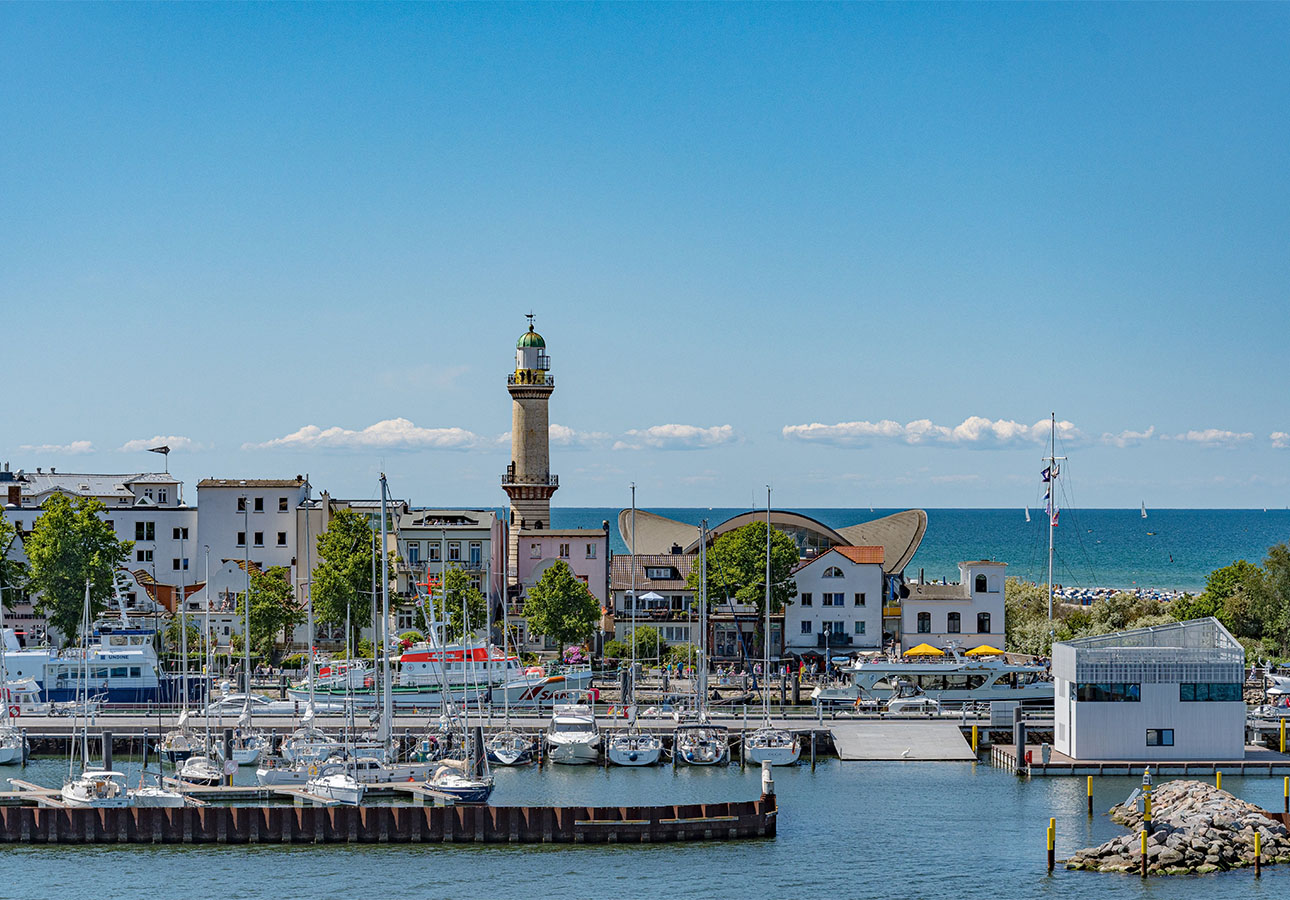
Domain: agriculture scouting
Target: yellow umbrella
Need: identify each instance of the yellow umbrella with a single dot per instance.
(924, 650)
(984, 650)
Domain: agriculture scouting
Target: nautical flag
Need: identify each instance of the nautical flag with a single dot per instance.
(1056, 512)
(1048, 493)
(1046, 475)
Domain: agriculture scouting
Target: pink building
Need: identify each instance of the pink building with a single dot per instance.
(586, 550)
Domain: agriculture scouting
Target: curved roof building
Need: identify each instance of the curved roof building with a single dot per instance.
(899, 535)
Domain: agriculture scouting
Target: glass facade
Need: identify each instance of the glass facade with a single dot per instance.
(1190, 692)
(1108, 692)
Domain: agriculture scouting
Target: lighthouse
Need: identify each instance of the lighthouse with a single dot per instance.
(528, 481)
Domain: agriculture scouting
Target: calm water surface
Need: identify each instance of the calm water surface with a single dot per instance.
(889, 830)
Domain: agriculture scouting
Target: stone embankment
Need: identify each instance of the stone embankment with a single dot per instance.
(1196, 829)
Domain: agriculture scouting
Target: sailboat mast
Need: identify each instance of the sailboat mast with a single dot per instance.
(309, 603)
(206, 659)
(1052, 472)
(246, 628)
(703, 617)
(183, 620)
(387, 724)
(631, 676)
(765, 638)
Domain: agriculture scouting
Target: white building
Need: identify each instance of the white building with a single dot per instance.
(1166, 692)
(838, 604)
(261, 511)
(432, 540)
(664, 600)
(969, 613)
(146, 508)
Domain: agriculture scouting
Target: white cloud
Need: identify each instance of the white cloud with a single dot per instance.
(173, 441)
(1280, 440)
(1211, 437)
(75, 448)
(974, 431)
(676, 437)
(564, 436)
(390, 434)
(1128, 438)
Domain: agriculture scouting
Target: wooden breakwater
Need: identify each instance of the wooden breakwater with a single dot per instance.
(391, 824)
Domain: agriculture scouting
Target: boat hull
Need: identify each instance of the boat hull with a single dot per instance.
(575, 753)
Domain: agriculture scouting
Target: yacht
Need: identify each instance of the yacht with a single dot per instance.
(634, 748)
(453, 777)
(775, 746)
(97, 788)
(336, 788)
(510, 748)
(247, 747)
(572, 736)
(200, 770)
(703, 744)
(954, 681)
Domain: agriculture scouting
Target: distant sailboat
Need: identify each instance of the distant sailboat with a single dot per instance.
(1144, 509)
(1027, 513)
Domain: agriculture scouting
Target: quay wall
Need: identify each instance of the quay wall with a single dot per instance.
(390, 824)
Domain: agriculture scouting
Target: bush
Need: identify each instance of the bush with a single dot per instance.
(295, 661)
(681, 654)
(617, 650)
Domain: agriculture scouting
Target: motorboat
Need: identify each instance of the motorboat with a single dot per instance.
(96, 788)
(13, 745)
(338, 788)
(775, 746)
(702, 744)
(572, 737)
(911, 699)
(511, 748)
(452, 777)
(634, 748)
(955, 681)
(200, 770)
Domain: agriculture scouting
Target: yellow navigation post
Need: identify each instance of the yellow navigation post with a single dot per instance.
(1218, 779)
(1285, 791)
(1258, 854)
(1283, 737)
(1052, 844)
(1144, 852)
(1089, 790)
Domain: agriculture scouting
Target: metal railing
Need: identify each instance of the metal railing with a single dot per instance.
(540, 480)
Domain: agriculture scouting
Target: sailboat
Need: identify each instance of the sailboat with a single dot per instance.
(13, 743)
(700, 743)
(769, 744)
(1144, 509)
(633, 747)
(179, 743)
(1027, 513)
(508, 747)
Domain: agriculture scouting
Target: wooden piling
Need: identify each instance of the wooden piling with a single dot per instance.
(743, 750)
(813, 734)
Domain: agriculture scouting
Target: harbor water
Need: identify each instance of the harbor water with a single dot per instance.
(1171, 549)
(848, 830)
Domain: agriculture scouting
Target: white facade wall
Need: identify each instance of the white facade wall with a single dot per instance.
(968, 600)
(860, 612)
(1118, 730)
(270, 515)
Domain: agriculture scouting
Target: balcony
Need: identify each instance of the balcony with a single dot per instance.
(536, 378)
(538, 480)
(832, 640)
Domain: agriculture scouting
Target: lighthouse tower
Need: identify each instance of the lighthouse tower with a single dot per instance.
(528, 480)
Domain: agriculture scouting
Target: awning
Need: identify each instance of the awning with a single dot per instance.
(984, 650)
(924, 650)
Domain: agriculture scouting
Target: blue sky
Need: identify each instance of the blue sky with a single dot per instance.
(854, 251)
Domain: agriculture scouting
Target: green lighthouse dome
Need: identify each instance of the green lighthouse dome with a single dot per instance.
(530, 338)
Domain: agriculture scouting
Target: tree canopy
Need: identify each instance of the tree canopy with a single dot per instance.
(455, 592)
(342, 579)
(737, 569)
(68, 544)
(560, 606)
(273, 609)
(13, 572)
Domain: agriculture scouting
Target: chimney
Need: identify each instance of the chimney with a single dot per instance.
(15, 495)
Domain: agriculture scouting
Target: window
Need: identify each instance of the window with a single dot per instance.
(1201, 692)
(414, 552)
(143, 556)
(1108, 692)
(179, 534)
(259, 539)
(241, 538)
(282, 504)
(564, 551)
(832, 572)
(806, 599)
(174, 564)
(282, 539)
(983, 623)
(535, 551)
(839, 627)
(979, 584)
(1160, 737)
(924, 623)
(241, 504)
(859, 627)
(953, 623)
(658, 572)
(145, 531)
(476, 554)
(454, 551)
(806, 626)
(860, 599)
(259, 504)
(162, 495)
(432, 551)
(591, 551)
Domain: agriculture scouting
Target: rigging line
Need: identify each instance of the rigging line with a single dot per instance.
(1069, 496)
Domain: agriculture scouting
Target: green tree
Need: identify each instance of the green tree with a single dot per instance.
(649, 646)
(456, 592)
(13, 573)
(172, 638)
(273, 609)
(342, 580)
(560, 606)
(69, 544)
(737, 570)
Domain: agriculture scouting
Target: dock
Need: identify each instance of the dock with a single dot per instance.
(1259, 761)
(894, 739)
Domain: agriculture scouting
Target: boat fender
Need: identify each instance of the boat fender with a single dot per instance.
(313, 770)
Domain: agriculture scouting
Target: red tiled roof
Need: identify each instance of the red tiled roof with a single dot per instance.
(862, 555)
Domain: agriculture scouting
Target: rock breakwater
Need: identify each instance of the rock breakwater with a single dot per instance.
(1196, 828)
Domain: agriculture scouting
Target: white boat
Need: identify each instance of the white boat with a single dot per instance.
(247, 747)
(200, 770)
(1144, 509)
(452, 777)
(634, 748)
(511, 748)
(97, 788)
(13, 743)
(775, 746)
(536, 687)
(702, 744)
(954, 681)
(336, 788)
(572, 737)
(154, 796)
(911, 699)
(180, 743)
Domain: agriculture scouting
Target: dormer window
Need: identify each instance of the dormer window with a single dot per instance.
(658, 572)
